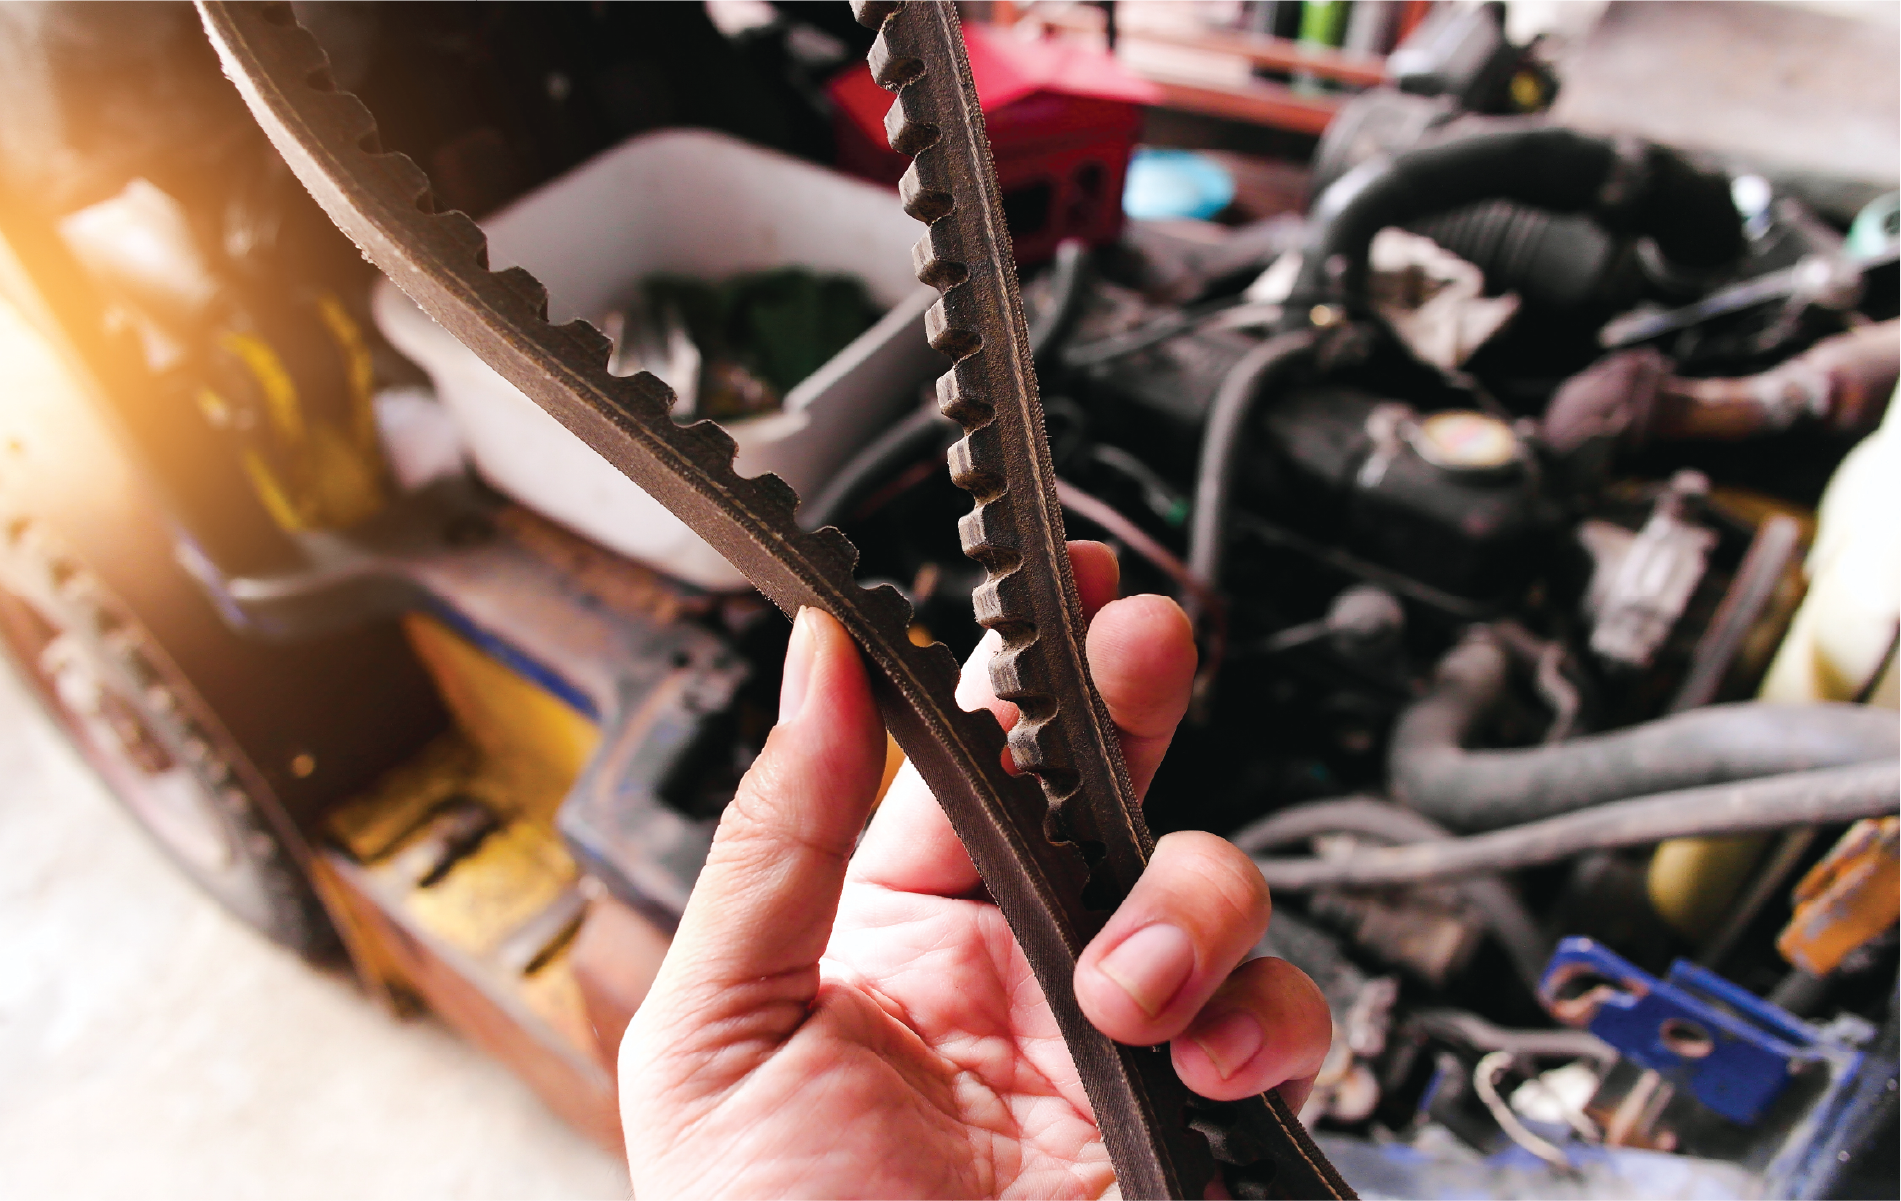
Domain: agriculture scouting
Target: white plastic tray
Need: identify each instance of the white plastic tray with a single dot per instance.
(697, 203)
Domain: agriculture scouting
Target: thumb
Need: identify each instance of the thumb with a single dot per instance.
(761, 913)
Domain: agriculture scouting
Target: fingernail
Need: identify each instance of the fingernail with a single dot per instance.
(1229, 1041)
(799, 654)
(1151, 965)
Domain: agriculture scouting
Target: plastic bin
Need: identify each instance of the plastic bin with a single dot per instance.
(698, 203)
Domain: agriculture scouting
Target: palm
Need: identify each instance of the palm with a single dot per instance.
(928, 1066)
(840, 1017)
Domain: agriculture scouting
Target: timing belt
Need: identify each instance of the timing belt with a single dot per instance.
(1057, 847)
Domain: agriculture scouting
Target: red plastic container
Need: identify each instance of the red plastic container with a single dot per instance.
(1063, 120)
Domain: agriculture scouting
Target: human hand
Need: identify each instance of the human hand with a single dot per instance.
(832, 1023)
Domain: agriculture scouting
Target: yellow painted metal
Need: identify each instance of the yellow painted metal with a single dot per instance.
(281, 403)
(359, 372)
(309, 472)
(511, 877)
(532, 743)
(1693, 881)
(553, 994)
(515, 751)
(371, 825)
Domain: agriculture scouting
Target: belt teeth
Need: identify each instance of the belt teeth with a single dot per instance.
(909, 134)
(459, 226)
(998, 601)
(964, 405)
(832, 552)
(923, 199)
(892, 71)
(641, 397)
(946, 336)
(990, 536)
(526, 288)
(887, 606)
(1037, 747)
(1075, 822)
(938, 265)
(969, 472)
(869, 13)
(774, 497)
(589, 342)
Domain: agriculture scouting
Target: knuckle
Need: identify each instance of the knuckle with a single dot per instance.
(1224, 878)
(763, 820)
(1298, 1011)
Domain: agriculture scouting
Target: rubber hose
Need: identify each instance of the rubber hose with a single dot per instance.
(1835, 795)
(1503, 913)
(914, 435)
(1687, 211)
(925, 429)
(1057, 319)
(1490, 789)
(1551, 260)
(1222, 440)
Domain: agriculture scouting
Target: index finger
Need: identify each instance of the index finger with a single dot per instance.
(1142, 656)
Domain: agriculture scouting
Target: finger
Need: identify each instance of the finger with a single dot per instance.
(1194, 914)
(1142, 656)
(1267, 1027)
(1296, 1091)
(762, 910)
(910, 845)
(1098, 575)
(1143, 661)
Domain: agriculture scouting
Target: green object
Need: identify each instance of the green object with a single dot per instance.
(1877, 227)
(762, 333)
(1322, 22)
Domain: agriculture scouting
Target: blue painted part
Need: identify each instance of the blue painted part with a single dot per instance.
(190, 554)
(1753, 1047)
(1439, 1169)
(1696, 978)
(1166, 184)
(533, 670)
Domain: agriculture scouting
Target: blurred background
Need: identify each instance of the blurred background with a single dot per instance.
(1503, 388)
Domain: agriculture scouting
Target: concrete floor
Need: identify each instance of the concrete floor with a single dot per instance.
(152, 1047)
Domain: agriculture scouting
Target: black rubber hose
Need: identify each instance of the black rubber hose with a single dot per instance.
(1503, 913)
(1057, 319)
(1559, 261)
(1259, 372)
(1653, 192)
(925, 430)
(916, 434)
(1838, 794)
(1489, 789)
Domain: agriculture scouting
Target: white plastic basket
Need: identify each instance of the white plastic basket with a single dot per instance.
(694, 203)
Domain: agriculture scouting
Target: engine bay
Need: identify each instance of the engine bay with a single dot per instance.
(1531, 492)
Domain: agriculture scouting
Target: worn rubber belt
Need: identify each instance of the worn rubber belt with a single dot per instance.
(1056, 858)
